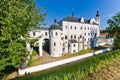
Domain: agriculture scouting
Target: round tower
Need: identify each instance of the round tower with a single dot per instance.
(55, 40)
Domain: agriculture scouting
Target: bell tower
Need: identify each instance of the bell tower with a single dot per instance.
(98, 17)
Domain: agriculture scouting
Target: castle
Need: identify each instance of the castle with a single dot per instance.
(70, 35)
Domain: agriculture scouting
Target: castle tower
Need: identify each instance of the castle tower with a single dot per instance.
(98, 17)
(55, 40)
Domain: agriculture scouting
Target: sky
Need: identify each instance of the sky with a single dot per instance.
(59, 9)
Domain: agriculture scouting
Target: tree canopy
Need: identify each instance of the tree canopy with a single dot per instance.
(17, 17)
(114, 25)
(114, 29)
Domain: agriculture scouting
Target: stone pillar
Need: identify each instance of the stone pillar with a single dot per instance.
(28, 46)
(40, 47)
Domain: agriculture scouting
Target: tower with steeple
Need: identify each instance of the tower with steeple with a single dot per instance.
(98, 17)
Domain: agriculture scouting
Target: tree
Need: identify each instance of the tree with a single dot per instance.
(114, 25)
(17, 17)
(117, 42)
(114, 29)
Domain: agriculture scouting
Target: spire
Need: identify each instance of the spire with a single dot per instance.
(97, 14)
(55, 21)
(72, 12)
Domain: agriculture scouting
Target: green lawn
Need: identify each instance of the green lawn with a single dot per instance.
(65, 56)
(76, 70)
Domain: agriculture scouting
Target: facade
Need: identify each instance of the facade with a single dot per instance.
(71, 34)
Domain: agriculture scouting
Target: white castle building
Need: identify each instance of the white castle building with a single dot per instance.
(70, 35)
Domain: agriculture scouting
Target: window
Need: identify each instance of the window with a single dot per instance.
(65, 36)
(85, 34)
(85, 28)
(81, 28)
(71, 36)
(91, 34)
(88, 34)
(80, 36)
(74, 36)
(33, 33)
(71, 27)
(65, 27)
(88, 28)
(75, 27)
(62, 38)
(54, 43)
(74, 45)
(45, 33)
(56, 33)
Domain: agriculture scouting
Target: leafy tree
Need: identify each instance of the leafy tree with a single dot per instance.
(114, 25)
(114, 29)
(117, 42)
(17, 17)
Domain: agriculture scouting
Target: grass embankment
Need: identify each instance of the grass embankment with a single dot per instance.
(75, 71)
(109, 72)
(42, 60)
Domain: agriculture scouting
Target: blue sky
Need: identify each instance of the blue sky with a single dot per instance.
(60, 9)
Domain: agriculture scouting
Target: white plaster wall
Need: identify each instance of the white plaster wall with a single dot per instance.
(72, 48)
(86, 29)
(39, 33)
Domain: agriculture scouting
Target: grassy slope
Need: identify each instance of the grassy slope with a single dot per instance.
(76, 71)
(109, 72)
